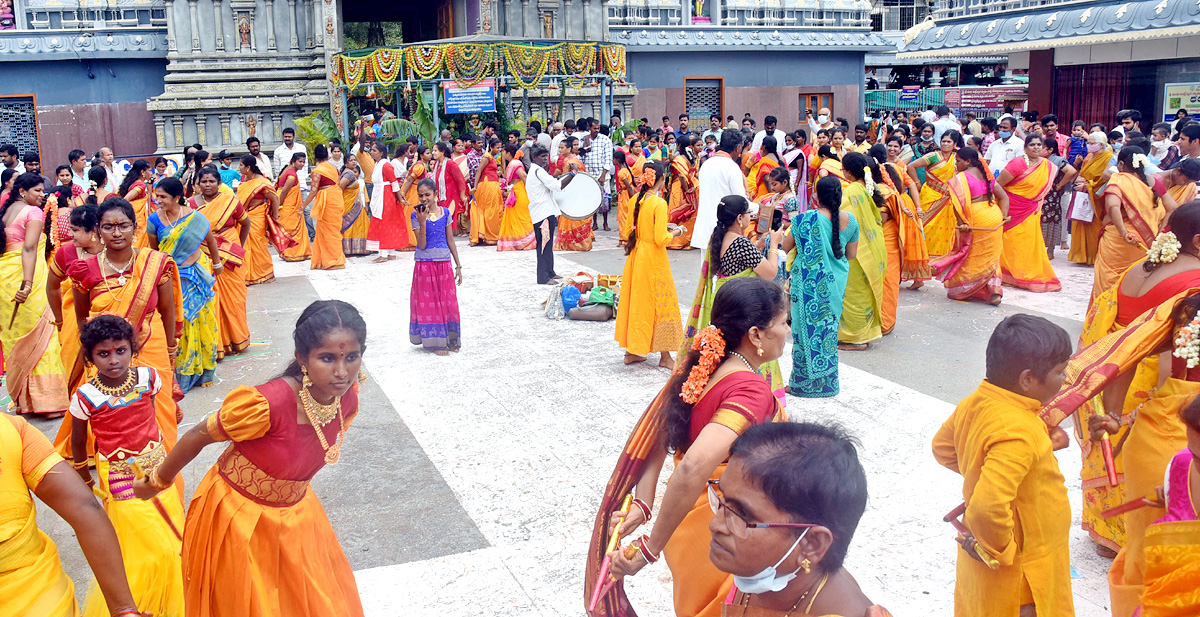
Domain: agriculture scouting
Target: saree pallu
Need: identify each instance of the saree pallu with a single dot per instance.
(139, 197)
(756, 179)
(487, 213)
(137, 302)
(1023, 260)
(355, 221)
(816, 292)
(35, 377)
(1143, 216)
(68, 334)
(649, 317)
(862, 317)
(624, 205)
(700, 588)
(257, 268)
(1172, 569)
(699, 318)
(914, 255)
(1182, 193)
(327, 217)
(683, 206)
(574, 235)
(434, 321)
(149, 548)
(516, 228)
(196, 364)
(1085, 237)
(972, 270)
(833, 168)
(233, 329)
(935, 196)
(291, 220)
(895, 257)
(1156, 435)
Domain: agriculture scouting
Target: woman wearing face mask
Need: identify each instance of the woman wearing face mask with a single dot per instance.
(715, 396)
(1027, 179)
(684, 193)
(935, 194)
(924, 141)
(782, 530)
(1085, 236)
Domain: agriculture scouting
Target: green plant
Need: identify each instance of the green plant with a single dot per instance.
(316, 128)
(622, 132)
(424, 118)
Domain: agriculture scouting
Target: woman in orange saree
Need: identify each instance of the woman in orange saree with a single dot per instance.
(84, 243)
(260, 201)
(914, 255)
(935, 195)
(487, 210)
(625, 193)
(831, 164)
(972, 268)
(290, 214)
(516, 228)
(135, 190)
(230, 225)
(1085, 237)
(684, 193)
(326, 213)
(1024, 262)
(408, 190)
(1133, 214)
(572, 235)
(257, 542)
(695, 418)
(1181, 186)
(768, 160)
(143, 287)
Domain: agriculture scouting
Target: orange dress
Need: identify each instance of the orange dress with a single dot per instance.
(224, 213)
(327, 218)
(257, 542)
(139, 197)
(258, 267)
(291, 217)
(573, 235)
(488, 208)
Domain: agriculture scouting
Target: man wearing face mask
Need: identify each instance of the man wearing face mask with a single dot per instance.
(1008, 146)
(824, 120)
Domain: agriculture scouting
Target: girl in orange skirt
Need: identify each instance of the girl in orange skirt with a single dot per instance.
(256, 541)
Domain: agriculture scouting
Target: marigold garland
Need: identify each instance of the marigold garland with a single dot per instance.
(527, 64)
(387, 64)
(614, 61)
(469, 63)
(425, 60)
(354, 69)
(578, 58)
(710, 342)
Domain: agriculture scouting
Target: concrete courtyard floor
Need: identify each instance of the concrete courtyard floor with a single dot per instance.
(468, 484)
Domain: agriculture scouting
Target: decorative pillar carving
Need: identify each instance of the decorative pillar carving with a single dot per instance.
(177, 125)
(195, 19)
(270, 25)
(201, 128)
(225, 140)
(276, 121)
(245, 31)
(292, 25)
(318, 24)
(219, 25)
(171, 26)
(311, 27)
(587, 10)
(160, 133)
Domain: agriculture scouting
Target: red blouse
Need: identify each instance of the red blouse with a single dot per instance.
(1130, 307)
(738, 401)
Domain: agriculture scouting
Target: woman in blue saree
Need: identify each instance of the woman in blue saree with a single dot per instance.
(819, 275)
(185, 235)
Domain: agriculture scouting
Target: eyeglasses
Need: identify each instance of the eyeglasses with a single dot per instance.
(734, 522)
(123, 228)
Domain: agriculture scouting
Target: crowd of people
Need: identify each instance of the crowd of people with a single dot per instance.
(129, 289)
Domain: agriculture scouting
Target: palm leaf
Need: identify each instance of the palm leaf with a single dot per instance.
(316, 128)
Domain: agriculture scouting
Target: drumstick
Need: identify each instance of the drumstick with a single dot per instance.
(139, 474)
(601, 585)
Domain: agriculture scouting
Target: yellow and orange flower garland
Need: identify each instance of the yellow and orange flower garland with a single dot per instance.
(425, 60)
(527, 64)
(711, 345)
(469, 63)
(387, 64)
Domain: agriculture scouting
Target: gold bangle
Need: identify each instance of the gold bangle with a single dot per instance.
(79, 465)
(157, 482)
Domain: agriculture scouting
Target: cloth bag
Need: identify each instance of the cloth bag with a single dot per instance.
(1079, 206)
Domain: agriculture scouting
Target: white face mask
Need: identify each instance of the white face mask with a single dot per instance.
(768, 580)
(822, 119)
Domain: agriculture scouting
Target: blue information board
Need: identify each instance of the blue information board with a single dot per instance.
(480, 98)
(910, 93)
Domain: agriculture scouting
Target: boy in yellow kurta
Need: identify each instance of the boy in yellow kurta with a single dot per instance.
(1016, 501)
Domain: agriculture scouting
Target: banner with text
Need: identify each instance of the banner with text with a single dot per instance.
(1185, 96)
(480, 98)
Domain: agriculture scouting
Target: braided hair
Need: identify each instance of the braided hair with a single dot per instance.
(637, 203)
(134, 175)
(858, 166)
(971, 156)
(97, 175)
(728, 210)
(829, 196)
(24, 182)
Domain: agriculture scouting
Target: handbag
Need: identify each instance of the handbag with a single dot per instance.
(1079, 206)
(278, 237)
(601, 295)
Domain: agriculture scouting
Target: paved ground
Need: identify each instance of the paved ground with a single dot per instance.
(469, 483)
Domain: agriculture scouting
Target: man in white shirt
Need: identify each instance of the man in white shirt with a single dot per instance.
(540, 187)
(824, 120)
(565, 131)
(1008, 146)
(114, 177)
(264, 161)
(943, 123)
(719, 176)
(714, 128)
(283, 157)
(10, 157)
(769, 129)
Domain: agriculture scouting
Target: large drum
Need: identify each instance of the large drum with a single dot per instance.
(580, 199)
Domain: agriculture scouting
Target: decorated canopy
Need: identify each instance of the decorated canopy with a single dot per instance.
(469, 60)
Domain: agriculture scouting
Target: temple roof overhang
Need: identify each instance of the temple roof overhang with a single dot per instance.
(732, 38)
(1082, 24)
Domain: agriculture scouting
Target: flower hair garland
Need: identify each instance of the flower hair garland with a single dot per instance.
(710, 342)
(1187, 343)
(1140, 161)
(1165, 248)
(868, 180)
(649, 176)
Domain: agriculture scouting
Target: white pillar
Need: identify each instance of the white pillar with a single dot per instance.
(220, 28)
(195, 25)
(318, 25)
(310, 27)
(171, 26)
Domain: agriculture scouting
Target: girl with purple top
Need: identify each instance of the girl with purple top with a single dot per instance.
(433, 303)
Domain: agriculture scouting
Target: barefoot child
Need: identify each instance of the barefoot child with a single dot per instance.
(433, 306)
(1016, 501)
(117, 406)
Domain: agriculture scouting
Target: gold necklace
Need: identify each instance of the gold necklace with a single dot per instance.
(314, 411)
(164, 215)
(820, 586)
(119, 272)
(118, 391)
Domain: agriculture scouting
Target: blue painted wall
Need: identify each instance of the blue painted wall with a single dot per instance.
(66, 82)
(746, 68)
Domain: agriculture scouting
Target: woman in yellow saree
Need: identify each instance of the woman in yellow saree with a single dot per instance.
(1085, 237)
(711, 398)
(516, 228)
(862, 316)
(356, 222)
(1134, 212)
(135, 190)
(35, 376)
(972, 268)
(289, 213)
(935, 194)
(231, 228)
(830, 165)
(32, 580)
(326, 213)
(1024, 262)
(487, 209)
(260, 201)
(684, 193)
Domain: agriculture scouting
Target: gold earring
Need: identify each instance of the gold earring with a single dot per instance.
(806, 565)
(760, 352)
(362, 376)
(307, 383)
